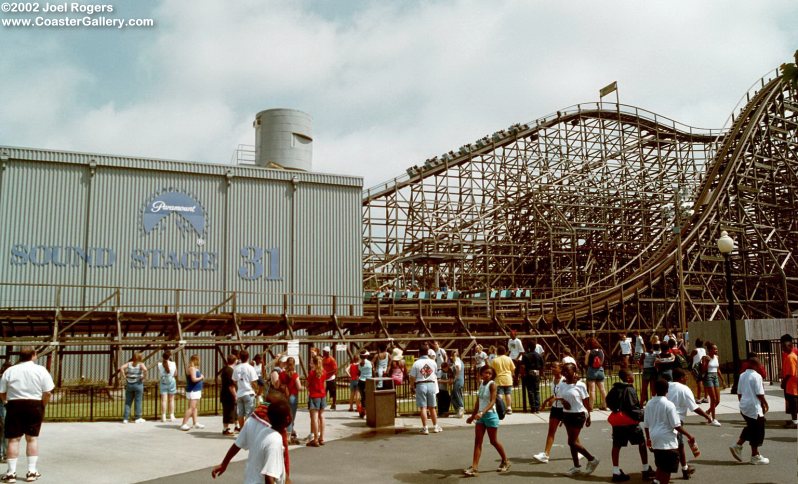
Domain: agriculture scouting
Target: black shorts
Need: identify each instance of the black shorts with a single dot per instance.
(556, 412)
(627, 434)
(229, 413)
(331, 388)
(667, 460)
(573, 420)
(23, 417)
(754, 431)
(790, 403)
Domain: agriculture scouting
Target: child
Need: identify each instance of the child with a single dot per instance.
(354, 374)
(625, 420)
(555, 414)
(317, 400)
(576, 414)
(753, 407)
(487, 420)
(661, 419)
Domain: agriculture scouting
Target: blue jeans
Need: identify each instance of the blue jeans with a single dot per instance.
(293, 402)
(457, 395)
(133, 391)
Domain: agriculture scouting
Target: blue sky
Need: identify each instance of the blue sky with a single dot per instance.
(388, 84)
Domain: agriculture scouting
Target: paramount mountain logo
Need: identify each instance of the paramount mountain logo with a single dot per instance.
(190, 214)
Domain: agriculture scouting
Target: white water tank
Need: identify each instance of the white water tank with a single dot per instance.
(284, 139)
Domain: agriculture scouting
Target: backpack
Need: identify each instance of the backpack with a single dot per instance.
(501, 407)
(598, 359)
(681, 362)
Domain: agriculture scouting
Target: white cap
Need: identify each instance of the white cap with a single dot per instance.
(326, 349)
(431, 353)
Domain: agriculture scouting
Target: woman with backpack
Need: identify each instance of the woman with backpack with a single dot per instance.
(135, 373)
(167, 385)
(487, 420)
(594, 362)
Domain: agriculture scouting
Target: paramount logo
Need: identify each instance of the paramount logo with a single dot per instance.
(160, 205)
(189, 211)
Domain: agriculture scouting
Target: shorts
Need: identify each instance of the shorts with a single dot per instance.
(504, 390)
(23, 417)
(711, 380)
(353, 385)
(790, 403)
(229, 414)
(574, 419)
(245, 404)
(627, 434)
(167, 387)
(649, 373)
(754, 431)
(331, 388)
(317, 403)
(556, 412)
(425, 395)
(489, 420)
(194, 395)
(667, 460)
(595, 374)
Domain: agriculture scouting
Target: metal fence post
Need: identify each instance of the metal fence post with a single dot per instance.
(91, 404)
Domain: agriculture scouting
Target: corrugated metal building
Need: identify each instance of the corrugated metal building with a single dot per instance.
(175, 234)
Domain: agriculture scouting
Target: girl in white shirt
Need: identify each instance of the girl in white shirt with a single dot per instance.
(576, 414)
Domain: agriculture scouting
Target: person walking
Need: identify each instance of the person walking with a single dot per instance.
(227, 396)
(317, 400)
(244, 375)
(424, 382)
(625, 346)
(458, 371)
(487, 420)
(504, 367)
(682, 398)
(789, 380)
(713, 378)
(625, 421)
(291, 383)
(533, 367)
(556, 413)
(135, 373)
(194, 378)
(3, 441)
(594, 362)
(480, 360)
(661, 423)
(577, 406)
(354, 376)
(167, 385)
(25, 389)
(331, 369)
(640, 348)
(753, 407)
(695, 365)
(649, 370)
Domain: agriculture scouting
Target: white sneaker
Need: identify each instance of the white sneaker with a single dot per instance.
(542, 457)
(185, 427)
(139, 420)
(714, 423)
(574, 471)
(437, 429)
(758, 460)
(425, 430)
(199, 426)
(591, 465)
(736, 452)
(172, 418)
(163, 418)
(124, 421)
(460, 412)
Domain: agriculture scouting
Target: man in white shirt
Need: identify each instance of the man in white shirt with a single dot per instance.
(661, 423)
(640, 347)
(440, 354)
(683, 399)
(753, 407)
(424, 382)
(26, 389)
(515, 348)
(625, 345)
(262, 437)
(244, 374)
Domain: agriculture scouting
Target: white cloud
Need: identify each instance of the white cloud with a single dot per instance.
(392, 83)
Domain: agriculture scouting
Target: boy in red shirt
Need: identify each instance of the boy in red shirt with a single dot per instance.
(331, 369)
(789, 380)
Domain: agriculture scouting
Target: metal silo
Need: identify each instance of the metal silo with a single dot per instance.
(284, 139)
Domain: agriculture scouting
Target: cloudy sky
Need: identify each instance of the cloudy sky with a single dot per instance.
(388, 83)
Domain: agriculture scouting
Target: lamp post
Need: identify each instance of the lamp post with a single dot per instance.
(726, 246)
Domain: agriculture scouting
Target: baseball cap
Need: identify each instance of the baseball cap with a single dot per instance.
(326, 349)
(431, 353)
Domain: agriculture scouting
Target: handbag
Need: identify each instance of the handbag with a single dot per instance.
(620, 419)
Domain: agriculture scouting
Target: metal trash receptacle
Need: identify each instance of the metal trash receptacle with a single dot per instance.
(380, 403)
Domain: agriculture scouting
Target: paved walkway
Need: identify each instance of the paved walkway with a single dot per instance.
(113, 452)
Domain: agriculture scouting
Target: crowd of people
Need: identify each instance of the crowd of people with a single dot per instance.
(260, 401)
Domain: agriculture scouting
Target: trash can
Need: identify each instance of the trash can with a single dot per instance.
(380, 403)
